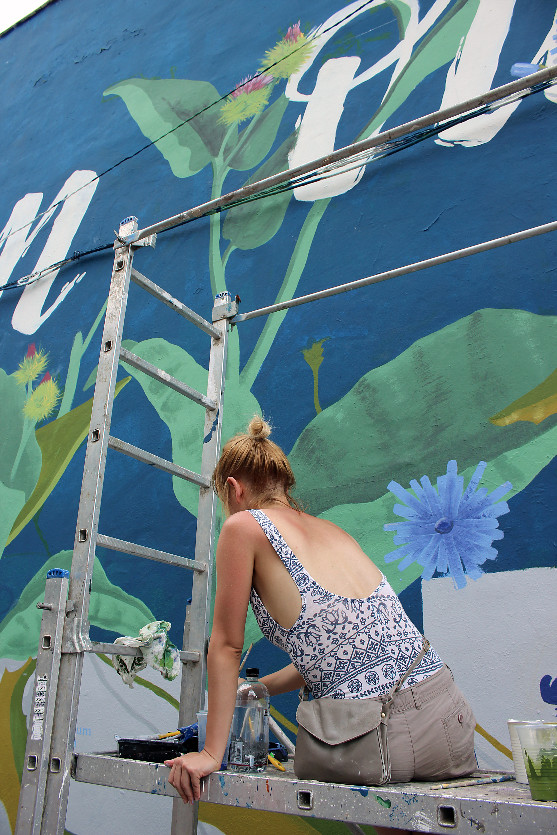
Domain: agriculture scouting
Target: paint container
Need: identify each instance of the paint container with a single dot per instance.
(539, 746)
(516, 748)
(201, 734)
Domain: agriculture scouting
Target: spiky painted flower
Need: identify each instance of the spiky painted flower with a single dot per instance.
(43, 400)
(448, 529)
(248, 99)
(288, 55)
(32, 366)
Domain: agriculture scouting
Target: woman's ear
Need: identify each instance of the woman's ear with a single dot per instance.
(235, 489)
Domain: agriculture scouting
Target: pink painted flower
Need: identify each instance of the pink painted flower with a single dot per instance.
(250, 84)
(46, 378)
(294, 33)
(289, 54)
(31, 350)
(247, 100)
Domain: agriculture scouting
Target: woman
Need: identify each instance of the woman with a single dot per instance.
(317, 595)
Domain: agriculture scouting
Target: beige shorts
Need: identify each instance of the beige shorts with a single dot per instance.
(431, 731)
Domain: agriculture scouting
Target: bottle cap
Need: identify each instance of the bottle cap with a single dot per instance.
(57, 572)
(252, 672)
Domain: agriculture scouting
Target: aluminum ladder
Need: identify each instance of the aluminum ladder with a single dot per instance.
(64, 636)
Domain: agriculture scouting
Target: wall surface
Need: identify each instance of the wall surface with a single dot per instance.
(420, 413)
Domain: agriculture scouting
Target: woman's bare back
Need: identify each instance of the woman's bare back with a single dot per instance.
(329, 555)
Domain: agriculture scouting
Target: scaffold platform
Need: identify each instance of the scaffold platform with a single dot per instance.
(488, 808)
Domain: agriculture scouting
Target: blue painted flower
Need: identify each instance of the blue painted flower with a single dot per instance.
(448, 529)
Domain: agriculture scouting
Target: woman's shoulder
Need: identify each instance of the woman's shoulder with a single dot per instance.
(241, 523)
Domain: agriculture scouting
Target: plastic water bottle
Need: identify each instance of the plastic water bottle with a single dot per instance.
(249, 739)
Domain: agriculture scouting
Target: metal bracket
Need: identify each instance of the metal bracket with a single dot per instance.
(127, 233)
(225, 306)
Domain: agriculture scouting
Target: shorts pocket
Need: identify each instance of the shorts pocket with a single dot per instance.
(459, 728)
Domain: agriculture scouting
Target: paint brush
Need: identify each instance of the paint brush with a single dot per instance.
(473, 782)
(278, 765)
(245, 658)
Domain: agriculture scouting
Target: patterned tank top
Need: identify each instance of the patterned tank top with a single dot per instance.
(346, 648)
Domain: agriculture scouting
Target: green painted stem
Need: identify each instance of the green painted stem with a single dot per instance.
(216, 266)
(316, 391)
(76, 355)
(286, 292)
(242, 142)
(40, 533)
(229, 250)
(216, 261)
(158, 691)
(28, 428)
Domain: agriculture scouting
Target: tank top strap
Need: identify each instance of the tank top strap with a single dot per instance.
(280, 546)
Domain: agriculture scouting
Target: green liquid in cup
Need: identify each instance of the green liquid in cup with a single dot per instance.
(542, 775)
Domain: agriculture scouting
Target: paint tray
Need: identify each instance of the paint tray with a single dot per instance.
(155, 750)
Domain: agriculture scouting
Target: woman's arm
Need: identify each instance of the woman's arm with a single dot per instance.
(234, 564)
(283, 681)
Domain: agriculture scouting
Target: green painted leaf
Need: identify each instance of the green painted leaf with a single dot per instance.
(11, 502)
(162, 106)
(16, 432)
(20, 455)
(252, 224)
(401, 10)
(536, 405)
(111, 608)
(364, 521)
(58, 441)
(439, 47)
(429, 405)
(185, 419)
(255, 141)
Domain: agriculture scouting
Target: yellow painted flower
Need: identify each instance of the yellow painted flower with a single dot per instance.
(32, 366)
(248, 99)
(288, 55)
(43, 400)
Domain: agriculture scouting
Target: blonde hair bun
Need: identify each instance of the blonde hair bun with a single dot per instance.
(258, 428)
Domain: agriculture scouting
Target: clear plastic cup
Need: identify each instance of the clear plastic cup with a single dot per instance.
(538, 741)
(516, 748)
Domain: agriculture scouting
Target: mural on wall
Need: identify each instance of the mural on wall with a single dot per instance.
(458, 383)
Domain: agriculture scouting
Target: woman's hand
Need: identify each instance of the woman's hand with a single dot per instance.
(187, 772)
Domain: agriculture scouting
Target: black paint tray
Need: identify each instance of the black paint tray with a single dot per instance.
(155, 750)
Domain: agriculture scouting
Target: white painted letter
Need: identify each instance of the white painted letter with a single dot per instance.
(74, 196)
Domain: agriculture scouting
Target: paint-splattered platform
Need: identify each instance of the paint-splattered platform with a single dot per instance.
(489, 808)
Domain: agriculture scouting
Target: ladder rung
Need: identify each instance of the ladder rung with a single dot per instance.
(166, 379)
(155, 461)
(120, 649)
(148, 553)
(170, 301)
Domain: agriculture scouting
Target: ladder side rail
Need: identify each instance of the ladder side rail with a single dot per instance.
(184, 816)
(176, 305)
(75, 641)
(193, 679)
(37, 763)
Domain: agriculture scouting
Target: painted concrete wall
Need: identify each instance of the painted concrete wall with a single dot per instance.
(388, 399)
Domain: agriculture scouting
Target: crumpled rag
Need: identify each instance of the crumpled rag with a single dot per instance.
(157, 651)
